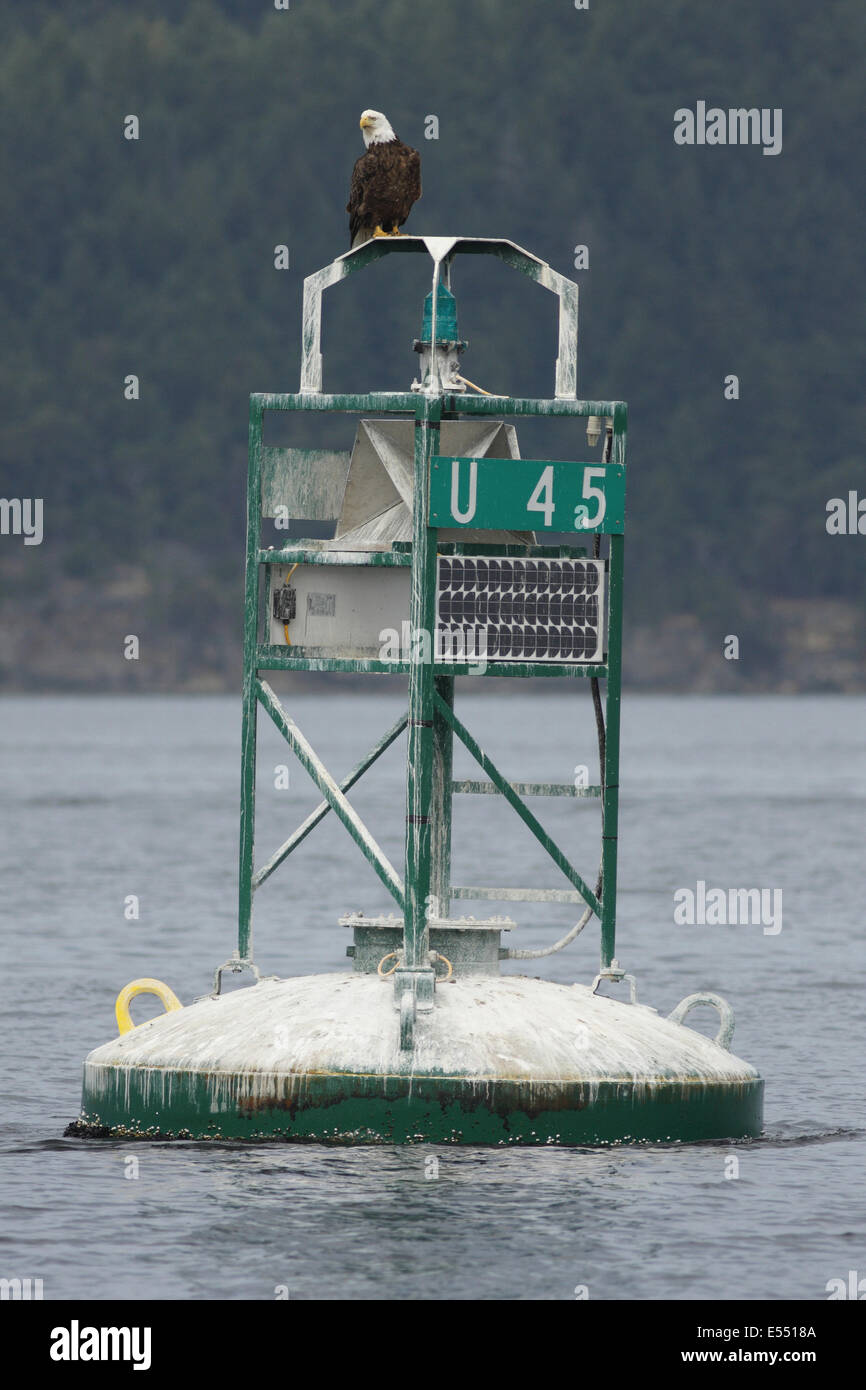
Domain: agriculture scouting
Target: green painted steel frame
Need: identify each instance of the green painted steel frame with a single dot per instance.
(517, 804)
(431, 721)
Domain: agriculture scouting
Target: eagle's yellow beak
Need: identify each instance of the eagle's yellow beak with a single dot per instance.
(364, 122)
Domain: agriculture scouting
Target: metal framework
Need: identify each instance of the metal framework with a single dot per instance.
(442, 250)
(424, 890)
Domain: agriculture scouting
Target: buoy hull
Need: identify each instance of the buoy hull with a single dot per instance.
(498, 1062)
(353, 1110)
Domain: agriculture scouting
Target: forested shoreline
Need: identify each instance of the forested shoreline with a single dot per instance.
(154, 258)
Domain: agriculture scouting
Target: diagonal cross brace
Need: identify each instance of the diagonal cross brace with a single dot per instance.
(520, 806)
(324, 807)
(312, 763)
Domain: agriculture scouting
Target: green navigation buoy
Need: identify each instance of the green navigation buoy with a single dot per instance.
(447, 561)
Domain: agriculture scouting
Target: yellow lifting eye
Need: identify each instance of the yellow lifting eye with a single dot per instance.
(166, 996)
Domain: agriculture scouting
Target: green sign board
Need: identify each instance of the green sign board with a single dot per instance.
(526, 495)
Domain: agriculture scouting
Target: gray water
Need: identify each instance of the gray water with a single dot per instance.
(108, 798)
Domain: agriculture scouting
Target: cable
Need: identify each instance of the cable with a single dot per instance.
(594, 686)
(479, 389)
(563, 941)
(285, 625)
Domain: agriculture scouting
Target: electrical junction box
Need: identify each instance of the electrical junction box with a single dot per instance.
(341, 609)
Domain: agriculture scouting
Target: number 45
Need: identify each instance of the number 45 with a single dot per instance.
(582, 520)
(542, 499)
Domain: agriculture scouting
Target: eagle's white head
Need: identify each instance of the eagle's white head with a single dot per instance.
(376, 128)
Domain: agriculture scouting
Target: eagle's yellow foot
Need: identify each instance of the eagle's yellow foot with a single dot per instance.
(377, 231)
(396, 231)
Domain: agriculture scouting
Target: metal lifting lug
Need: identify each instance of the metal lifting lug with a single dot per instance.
(615, 973)
(715, 1001)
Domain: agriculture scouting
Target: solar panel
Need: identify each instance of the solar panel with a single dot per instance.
(501, 609)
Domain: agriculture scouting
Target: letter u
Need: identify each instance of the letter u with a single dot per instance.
(469, 513)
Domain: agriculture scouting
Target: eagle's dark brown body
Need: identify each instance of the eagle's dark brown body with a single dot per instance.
(386, 181)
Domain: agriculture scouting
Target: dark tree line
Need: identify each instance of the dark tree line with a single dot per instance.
(155, 256)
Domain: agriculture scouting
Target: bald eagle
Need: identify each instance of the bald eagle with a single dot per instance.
(386, 181)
